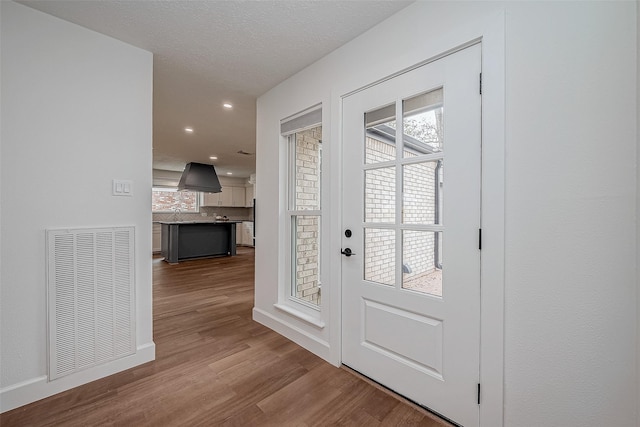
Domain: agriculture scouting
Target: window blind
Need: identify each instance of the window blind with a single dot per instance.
(304, 120)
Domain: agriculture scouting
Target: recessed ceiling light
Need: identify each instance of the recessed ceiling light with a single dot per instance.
(213, 157)
(227, 105)
(188, 130)
(229, 173)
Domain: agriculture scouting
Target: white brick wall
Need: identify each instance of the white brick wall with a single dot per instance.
(380, 250)
(419, 191)
(378, 151)
(380, 244)
(380, 195)
(308, 146)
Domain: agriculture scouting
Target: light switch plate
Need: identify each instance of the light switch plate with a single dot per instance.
(122, 187)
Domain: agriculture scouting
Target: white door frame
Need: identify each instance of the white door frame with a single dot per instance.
(410, 363)
(492, 34)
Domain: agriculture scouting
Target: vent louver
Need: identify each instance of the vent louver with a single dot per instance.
(91, 297)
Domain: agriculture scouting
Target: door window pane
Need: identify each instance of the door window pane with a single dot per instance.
(422, 261)
(422, 185)
(422, 124)
(380, 195)
(306, 258)
(380, 143)
(380, 256)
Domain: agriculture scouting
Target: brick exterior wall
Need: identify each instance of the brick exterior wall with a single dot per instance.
(308, 156)
(307, 274)
(380, 195)
(419, 190)
(418, 253)
(378, 151)
(308, 151)
(419, 193)
(380, 250)
(169, 201)
(380, 244)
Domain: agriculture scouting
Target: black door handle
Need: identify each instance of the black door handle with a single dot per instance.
(347, 252)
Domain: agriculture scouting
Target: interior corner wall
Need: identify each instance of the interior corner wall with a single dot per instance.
(570, 281)
(76, 113)
(637, 3)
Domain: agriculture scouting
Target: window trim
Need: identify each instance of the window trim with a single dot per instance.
(287, 301)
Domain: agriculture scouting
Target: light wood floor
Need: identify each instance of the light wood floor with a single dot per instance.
(216, 367)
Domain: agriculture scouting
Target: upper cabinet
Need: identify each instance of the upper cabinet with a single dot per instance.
(229, 197)
(210, 199)
(249, 196)
(237, 196)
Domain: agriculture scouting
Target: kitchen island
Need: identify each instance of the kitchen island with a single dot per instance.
(182, 240)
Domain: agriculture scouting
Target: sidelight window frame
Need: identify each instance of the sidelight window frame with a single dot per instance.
(294, 292)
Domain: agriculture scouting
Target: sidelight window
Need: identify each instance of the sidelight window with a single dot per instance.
(303, 134)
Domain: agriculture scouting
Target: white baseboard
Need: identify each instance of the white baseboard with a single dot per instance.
(301, 337)
(40, 387)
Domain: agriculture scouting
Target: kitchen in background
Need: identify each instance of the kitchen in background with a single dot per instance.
(235, 202)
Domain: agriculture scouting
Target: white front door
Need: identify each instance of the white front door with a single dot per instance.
(411, 218)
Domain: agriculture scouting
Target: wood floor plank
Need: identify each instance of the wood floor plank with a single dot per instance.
(215, 366)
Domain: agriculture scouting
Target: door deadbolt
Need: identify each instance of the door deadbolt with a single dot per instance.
(348, 233)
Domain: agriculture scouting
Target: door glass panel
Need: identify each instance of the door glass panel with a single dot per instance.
(380, 195)
(380, 144)
(422, 124)
(422, 193)
(422, 261)
(306, 258)
(380, 256)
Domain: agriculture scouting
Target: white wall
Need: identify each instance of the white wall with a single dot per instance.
(76, 114)
(569, 196)
(638, 209)
(570, 247)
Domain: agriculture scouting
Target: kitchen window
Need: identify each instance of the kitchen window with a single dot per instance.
(170, 200)
(303, 135)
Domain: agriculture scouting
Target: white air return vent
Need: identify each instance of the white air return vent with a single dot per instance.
(91, 297)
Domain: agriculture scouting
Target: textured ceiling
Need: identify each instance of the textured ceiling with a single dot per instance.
(210, 52)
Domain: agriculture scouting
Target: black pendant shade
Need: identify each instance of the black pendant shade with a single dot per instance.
(200, 177)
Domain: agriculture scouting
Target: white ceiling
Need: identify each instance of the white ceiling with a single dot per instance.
(210, 52)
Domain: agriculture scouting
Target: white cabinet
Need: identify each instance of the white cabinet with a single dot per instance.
(157, 236)
(249, 196)
(237, 196)
(247, 233)
(226, 196)
(229, 197)
(239, 234)
(244, 233)
(210, 199)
